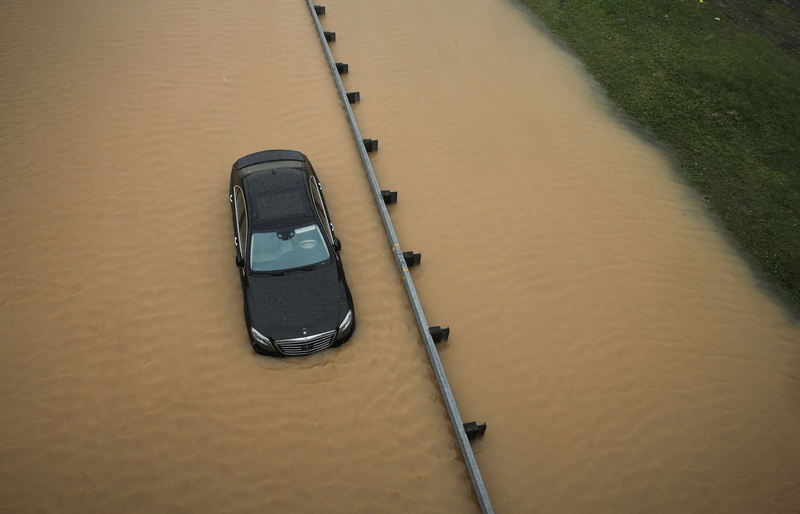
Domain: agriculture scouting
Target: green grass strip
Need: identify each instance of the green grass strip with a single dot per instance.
(724, 97)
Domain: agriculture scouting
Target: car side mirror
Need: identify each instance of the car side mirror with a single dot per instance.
(337, 245)
(239, 260)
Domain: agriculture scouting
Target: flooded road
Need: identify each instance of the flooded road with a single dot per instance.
(128, 383)
(622, 354)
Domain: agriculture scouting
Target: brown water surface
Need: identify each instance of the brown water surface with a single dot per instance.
(128, 383)
(621, 352)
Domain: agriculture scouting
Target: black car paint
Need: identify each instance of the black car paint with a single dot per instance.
(294, 303)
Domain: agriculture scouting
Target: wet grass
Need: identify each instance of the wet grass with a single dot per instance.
(721, 89)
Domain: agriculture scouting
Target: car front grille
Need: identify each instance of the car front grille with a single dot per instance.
(306, 345)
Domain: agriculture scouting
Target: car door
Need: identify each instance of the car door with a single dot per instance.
(241, 223)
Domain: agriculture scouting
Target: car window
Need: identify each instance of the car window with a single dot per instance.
(241, 220)
(287, 249)
(271, 165)
(320, 204)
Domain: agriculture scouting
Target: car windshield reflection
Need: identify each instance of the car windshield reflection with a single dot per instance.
(287, 249)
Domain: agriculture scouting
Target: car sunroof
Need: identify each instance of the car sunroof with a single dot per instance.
(274, 205)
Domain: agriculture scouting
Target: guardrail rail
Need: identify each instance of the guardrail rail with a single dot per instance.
(433, 354)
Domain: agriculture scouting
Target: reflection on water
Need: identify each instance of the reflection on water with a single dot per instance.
(622, 355)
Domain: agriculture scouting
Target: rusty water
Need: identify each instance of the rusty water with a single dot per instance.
(623, 355)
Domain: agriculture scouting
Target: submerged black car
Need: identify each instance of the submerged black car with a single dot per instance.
(296, 299)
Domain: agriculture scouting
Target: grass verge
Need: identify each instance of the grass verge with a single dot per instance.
(721, 90)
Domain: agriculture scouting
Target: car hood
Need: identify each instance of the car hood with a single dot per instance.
(284, 306)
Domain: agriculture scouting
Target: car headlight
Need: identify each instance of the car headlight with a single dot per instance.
(262, 339)
(345, 324)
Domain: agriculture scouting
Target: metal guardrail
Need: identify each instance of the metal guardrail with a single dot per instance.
(433, 354)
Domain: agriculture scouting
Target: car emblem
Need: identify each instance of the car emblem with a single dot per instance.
(305, 332)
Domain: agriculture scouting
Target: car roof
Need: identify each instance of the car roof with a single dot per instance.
(278, 198)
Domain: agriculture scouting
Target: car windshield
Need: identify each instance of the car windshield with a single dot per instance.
(287, 249)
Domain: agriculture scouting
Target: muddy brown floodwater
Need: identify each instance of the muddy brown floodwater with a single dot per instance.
(624, 356)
